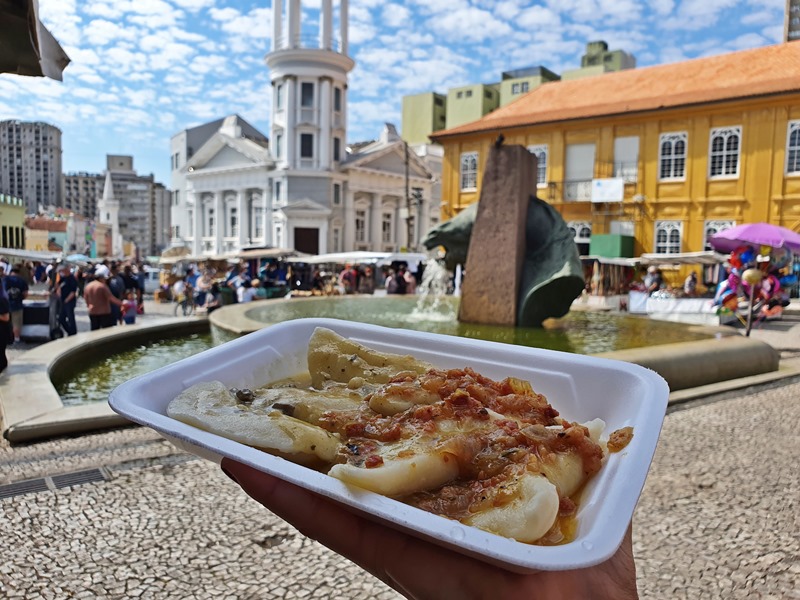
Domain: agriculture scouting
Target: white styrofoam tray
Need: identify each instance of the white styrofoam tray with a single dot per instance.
(580, 387)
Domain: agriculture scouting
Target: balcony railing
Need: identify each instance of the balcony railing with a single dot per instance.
(628, 171)
(312, 42)
(578, 190)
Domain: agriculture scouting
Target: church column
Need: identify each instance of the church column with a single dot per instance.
(376, 223)
(400, 226)
(197, 224)
(325, 124)
(294, 25)
(219, 221)
(277, 25)
(291, 121)
(343, 26)
(266, 206)
(326, 24)
(244, 218)
(349, 233)
(424, 216)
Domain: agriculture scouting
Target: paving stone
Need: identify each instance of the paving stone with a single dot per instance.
(160, 527)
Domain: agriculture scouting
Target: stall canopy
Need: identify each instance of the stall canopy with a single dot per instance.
(363, 258)
(19, 254)
(267, 253)
(708, 257)
(249, 254)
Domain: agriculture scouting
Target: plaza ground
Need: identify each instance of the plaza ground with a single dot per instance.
(719, 516)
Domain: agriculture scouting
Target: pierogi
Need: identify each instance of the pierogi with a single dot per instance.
(490, 454)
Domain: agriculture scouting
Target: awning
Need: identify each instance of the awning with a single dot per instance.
(267, 253)
(708, 257)
(362, 257)
(26, 47)
(40, 255)
(605, 260)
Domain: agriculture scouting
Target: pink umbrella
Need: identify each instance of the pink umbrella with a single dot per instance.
(756, 235)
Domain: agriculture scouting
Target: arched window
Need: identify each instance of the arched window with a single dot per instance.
(793, 148)
(672, 156)
(714, 227)
(723, 160)
(668, 237)
(469, 171)
(540, 152)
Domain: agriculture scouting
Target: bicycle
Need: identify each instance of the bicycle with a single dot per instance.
(184, 305)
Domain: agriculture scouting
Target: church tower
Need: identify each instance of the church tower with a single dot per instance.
(308, 69)
(309, 87)
(108, 212)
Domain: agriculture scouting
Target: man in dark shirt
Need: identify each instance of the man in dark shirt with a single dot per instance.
(68, 291)
(117, 286)
(17, 291)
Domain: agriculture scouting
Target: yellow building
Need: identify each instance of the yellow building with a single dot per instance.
(668, 154)
(12, 222)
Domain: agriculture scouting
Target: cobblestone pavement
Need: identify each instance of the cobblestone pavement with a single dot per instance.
(719, 517)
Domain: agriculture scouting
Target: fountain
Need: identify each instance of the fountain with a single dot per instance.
(432, 293)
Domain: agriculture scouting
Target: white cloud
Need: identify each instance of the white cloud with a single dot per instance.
(662, 7)
(698, 14)
(538, 17)
(470, 24)
(61, 19)
(396, 15)
(194, 5)
(101, 32)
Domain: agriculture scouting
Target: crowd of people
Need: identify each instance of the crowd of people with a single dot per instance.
(113, 292)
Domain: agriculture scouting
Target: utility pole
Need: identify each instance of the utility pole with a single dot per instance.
(417, 195)
(408, 202)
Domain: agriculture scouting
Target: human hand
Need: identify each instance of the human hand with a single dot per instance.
(419, 569)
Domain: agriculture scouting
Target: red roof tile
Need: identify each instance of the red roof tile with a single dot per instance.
(747, 73)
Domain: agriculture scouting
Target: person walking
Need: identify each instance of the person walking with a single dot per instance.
(99, 300)
(116, 283)
(68, 291)
(5, 326)
(16, 292)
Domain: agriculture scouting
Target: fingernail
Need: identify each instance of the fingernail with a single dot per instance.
(230, 475)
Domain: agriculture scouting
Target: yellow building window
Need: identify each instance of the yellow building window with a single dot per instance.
(469, 171)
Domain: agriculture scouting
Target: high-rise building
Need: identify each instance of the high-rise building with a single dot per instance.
(30, 163)
(135, 206)
(81, 192)
(598, 59)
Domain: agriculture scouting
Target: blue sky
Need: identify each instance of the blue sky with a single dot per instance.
(143, 70)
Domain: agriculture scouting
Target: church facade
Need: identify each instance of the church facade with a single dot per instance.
(304, 188)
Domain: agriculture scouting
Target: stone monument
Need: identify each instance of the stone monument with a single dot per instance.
(522, 264)
(497, 245)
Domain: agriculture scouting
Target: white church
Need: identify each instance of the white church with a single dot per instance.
(306, 189)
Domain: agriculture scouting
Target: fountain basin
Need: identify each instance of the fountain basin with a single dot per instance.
(685, 355)
(30, 406)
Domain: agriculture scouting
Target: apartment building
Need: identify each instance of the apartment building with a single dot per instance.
(791, 27)
(134, 206)
(674, 154)
(428, 112)
(81, 192)
(30, 163)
